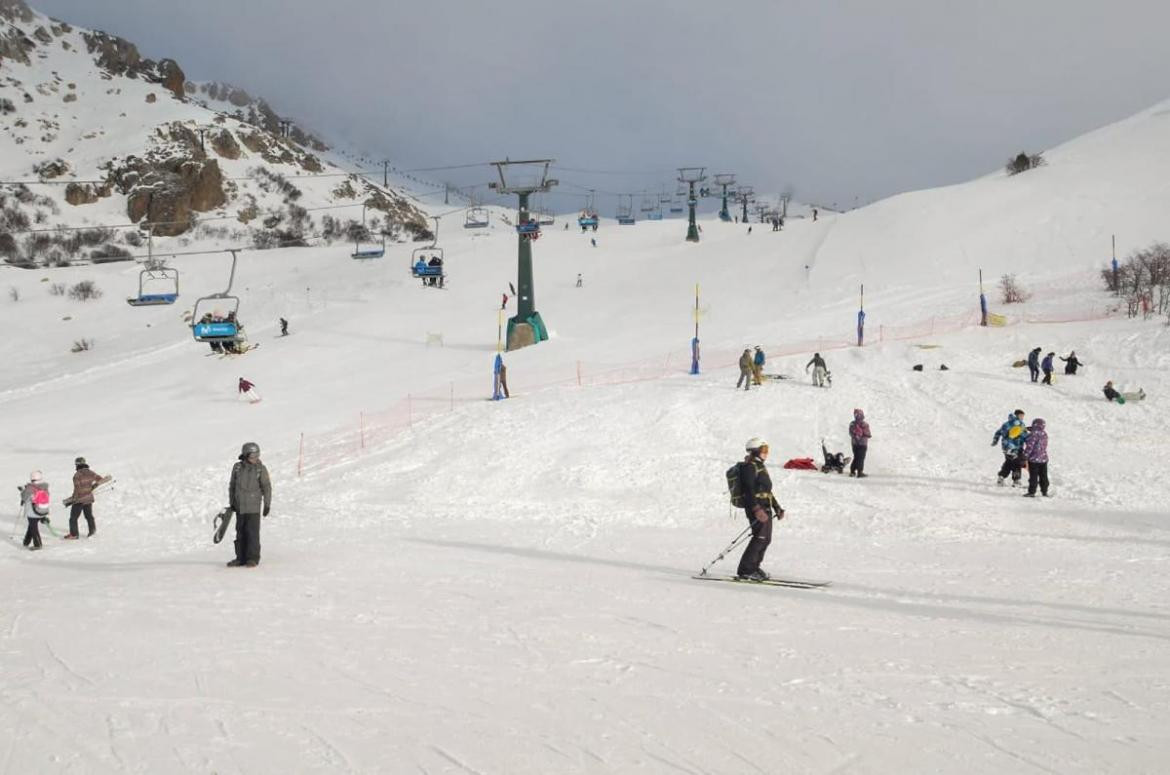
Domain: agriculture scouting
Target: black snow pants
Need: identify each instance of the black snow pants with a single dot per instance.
(1047, 378)
(1037, 475)
(33, 534)
(248, 537)
(76, 511)
(858, 464)
(1035, 370)
(1011, 465)
(753, 555)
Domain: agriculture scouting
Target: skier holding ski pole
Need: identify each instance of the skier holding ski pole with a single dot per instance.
(760, 506)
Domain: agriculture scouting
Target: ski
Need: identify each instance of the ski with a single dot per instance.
(776, 582)
(101, 486)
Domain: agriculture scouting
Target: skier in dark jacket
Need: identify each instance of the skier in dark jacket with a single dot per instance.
(250, 497)
(761, 507)
(1071, 363)
(81, 501)
(1034, 364)
(1047, 366)
(859, 435)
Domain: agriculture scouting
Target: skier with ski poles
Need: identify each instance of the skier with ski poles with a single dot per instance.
(760, 506)
(250, 497)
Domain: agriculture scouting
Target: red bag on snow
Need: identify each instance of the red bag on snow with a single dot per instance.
(802, 464)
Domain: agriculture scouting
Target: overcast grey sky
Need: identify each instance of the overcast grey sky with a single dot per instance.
(840, 99)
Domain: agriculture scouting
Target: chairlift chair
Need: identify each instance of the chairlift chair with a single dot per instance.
(371, 252)
(545, 217)
(476, 218)
(529, 229)
(227, 328)
(625, 211)
(161, 274)
(587, 220)
(419, 268)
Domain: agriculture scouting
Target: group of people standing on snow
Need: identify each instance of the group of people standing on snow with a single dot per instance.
(1047, 365)
(35, 502)
(1023, 447)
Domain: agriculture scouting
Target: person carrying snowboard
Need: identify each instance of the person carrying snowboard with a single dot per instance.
(247, 390)
(761, 507)
(1034, 364)
(250, 497)
(820, 370)
(745, 370)
(859, 436)
(34, 506)
(1071, 364)
(1048, 367)
(81, 501)
(1011, 437)
(1036, 452)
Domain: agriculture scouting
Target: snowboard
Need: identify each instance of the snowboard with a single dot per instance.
(777, 376)
(773, 582)
(220, 524)
(105, 480)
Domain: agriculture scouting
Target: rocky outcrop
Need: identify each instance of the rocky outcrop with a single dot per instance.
(15, 11)
(167, 198)
(15, 45)
(276, 150)
(78, 194)
(118, 56)
(398, 211)
(224, 143)
(49, 170)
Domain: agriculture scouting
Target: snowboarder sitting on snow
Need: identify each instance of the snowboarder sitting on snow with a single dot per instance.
(1011, 437)
(81, 501)
(34, 505)
(1071, 363)
(745, 370)
(859, 435)
(1036, 452)
(820, 370)
(760, 506)
(250, 496)
(1048, 367)
(1111, 394)
(1034, 364)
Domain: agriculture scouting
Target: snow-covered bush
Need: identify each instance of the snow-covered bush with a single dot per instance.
(57, 289)
(81, 345)
(85, 291)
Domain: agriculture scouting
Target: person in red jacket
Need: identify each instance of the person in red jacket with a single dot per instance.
(247, 389)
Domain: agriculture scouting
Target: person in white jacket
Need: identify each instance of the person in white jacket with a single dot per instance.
(34, 506)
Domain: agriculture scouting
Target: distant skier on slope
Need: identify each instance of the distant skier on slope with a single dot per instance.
(1011, 437)
(283, 327)
(761, 507)
(247, 390)
(250, 497)
(859, 436)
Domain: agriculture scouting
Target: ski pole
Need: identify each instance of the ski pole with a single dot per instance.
(738, 539)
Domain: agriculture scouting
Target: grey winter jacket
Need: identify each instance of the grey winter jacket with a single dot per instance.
(26, 496)
(250, 490)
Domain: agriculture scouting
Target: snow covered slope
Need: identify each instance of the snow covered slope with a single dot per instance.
(451, 584)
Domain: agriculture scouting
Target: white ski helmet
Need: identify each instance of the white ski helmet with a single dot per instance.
(35, 476)
(754, 443)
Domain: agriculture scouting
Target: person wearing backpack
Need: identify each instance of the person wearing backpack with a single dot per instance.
(250, 497)
(81, 501)
(760, 505)
(34, 505)
(859, 436)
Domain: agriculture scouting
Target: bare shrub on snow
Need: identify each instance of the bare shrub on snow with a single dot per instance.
(1010, 290)
(85, 290)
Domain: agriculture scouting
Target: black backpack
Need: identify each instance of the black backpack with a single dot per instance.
(735, 486)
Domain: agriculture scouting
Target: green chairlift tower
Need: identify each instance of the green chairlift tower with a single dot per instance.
(724, 180)
(689, 176)
(524, 178)
(743, 195)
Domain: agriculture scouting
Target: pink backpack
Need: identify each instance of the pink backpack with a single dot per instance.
(40, 502)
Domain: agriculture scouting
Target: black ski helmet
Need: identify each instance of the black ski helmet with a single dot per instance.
(250, 448)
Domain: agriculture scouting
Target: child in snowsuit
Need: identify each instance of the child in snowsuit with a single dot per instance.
(745, 370)
(1036, 451)
(34, 506)
(1047, 367)
(859, 435)
(1011, 437)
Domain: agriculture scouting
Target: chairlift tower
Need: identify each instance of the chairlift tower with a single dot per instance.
(724, 179)
(524, 178)
(690, 176)
(743, 195)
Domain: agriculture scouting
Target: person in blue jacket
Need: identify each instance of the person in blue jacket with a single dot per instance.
(1047, 366)
(1011, 436)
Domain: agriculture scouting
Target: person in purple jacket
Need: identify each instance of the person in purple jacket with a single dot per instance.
(1036, 451)
(859, 436)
